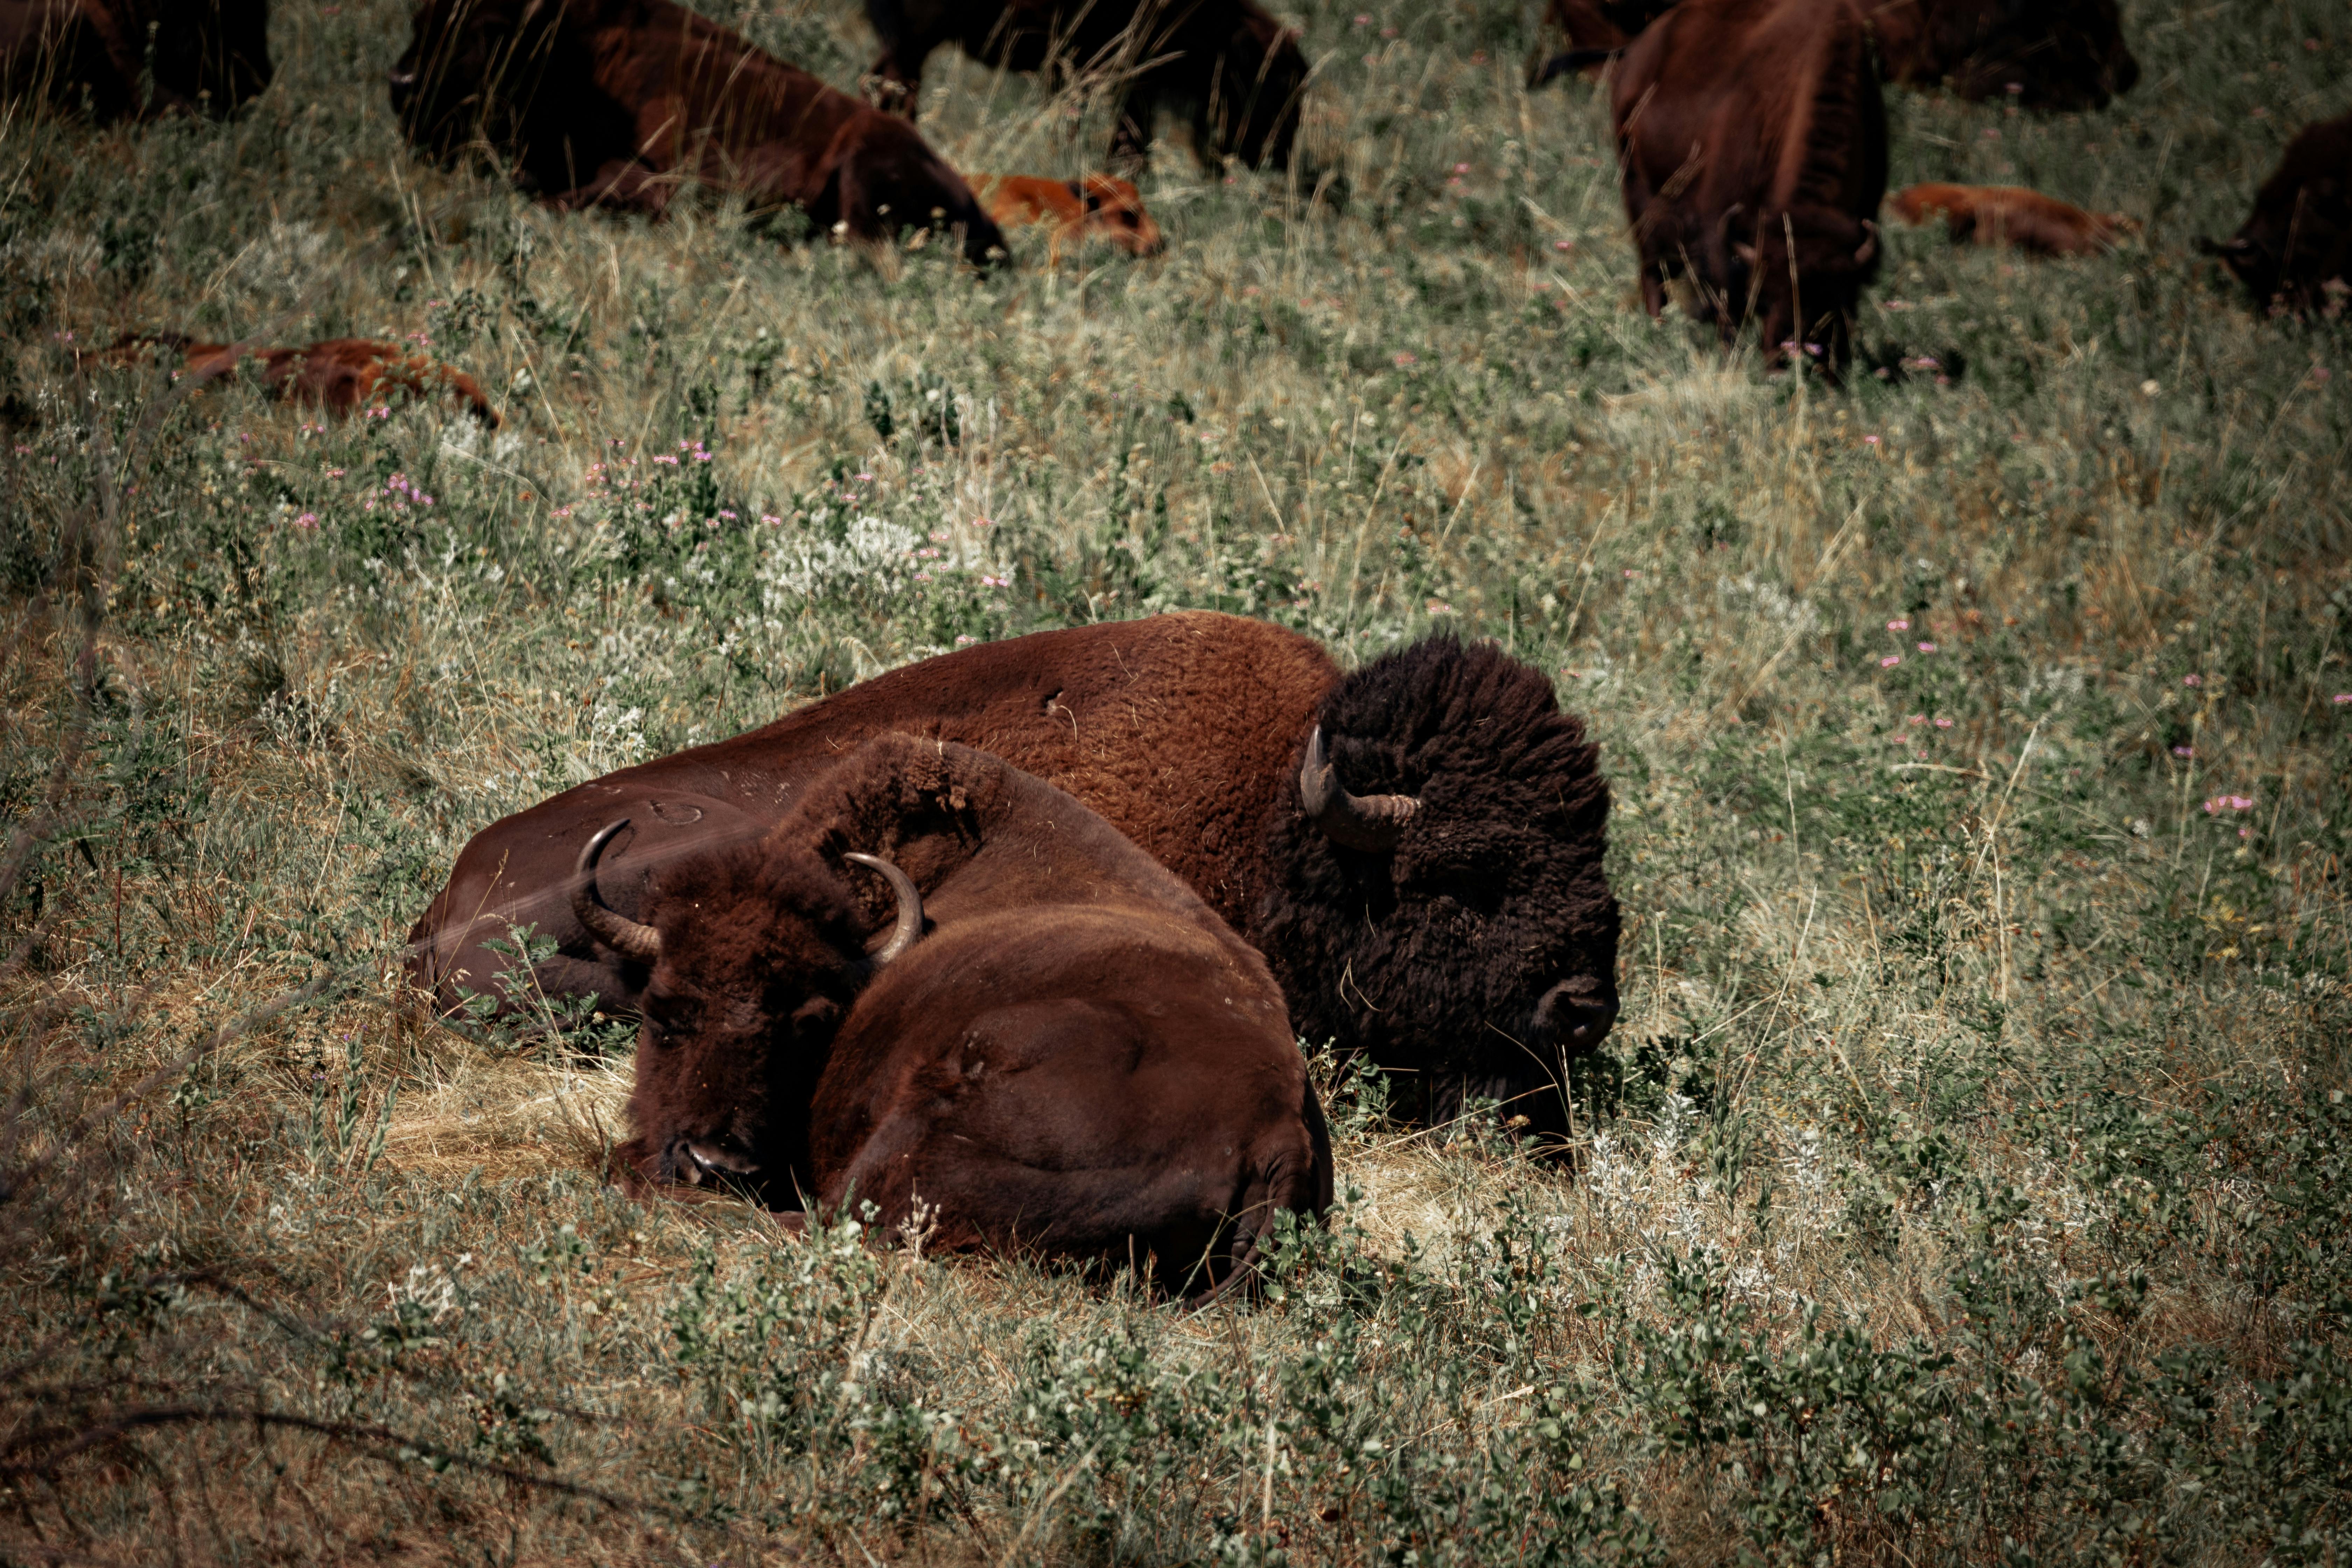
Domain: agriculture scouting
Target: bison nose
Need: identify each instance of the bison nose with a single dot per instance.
(1574, 1014)
(711, 1162)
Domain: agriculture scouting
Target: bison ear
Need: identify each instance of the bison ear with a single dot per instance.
(813, 1020)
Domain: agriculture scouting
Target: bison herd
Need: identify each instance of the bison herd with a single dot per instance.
(1017, 940)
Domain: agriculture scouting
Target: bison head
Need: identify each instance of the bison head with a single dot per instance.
(1441, 904)
(755, 952)
(2048, 53)
(1254, 96)
(1807, 267)
(472, 68)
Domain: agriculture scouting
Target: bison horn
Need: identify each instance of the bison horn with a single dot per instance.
(1372, 822)
(909, 928)
(1869, 247)
(617, 931)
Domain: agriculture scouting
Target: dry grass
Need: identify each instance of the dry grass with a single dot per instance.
(1967, 1179)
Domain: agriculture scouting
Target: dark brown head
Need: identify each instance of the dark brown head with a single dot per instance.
(1807, 267)
(211, 55)
(1443, 904)
(755, 954)
(471, 69)
(1111, 209)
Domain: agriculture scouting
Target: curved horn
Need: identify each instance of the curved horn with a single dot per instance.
(909, 929)
(1372, 822)
(617, 931)
(1869, 247)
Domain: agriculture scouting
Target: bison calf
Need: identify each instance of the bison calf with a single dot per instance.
(1059, 1048)
(341, 376)
(1096, 206)
(618, 102)
(2012, 216)
(2295, 250)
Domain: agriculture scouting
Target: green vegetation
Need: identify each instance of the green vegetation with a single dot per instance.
(1970, 1178)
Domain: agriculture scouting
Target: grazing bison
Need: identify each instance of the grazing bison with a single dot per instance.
(1059, 1048)
(1415, 847)
(1096, 206)
(618, 102)
(341, 376)
(2012, 216)
(1752, 148)
(2056, 54)
(1227, 63)
(2294, 253)
(205, 55)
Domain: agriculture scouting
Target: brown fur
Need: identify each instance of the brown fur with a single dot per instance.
(2012, 216)
(618, 103)
(341, 376)
(2056, 54)
(1094, 207)
(1744, 125)
(1078, 1057)
(209, 55)
(1485, 939)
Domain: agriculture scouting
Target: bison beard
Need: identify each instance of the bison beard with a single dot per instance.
(1071, 1054)
(1469, 938)
(618, 103)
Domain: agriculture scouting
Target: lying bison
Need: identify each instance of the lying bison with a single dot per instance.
(2012, 216)
(1057, 1048)
(618, 102)
(1230, 66)
(338, 375)
(2294, 252)
(203, 56)
(1752, 149)
(1416, 846)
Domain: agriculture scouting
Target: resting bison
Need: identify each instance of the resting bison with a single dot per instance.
(340, 375)
(2295, 250)
(1752, 148)
(1227, 63)
(1059, 1047)
(1451, 917)
(618, 102)
(1096, 206)
(2046, 54)
(2012, 216)
(206, 55)
(2054, 54)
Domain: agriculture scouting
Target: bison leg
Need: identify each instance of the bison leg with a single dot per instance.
(624, 184)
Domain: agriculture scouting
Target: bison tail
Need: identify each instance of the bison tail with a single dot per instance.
(1567, 60)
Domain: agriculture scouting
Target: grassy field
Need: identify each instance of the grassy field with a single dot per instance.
(1970, 1179)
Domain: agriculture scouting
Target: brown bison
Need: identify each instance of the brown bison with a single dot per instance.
(1095, 206)
(340, 375)
(1058, 1046)
(2045, 54)
(2056, 54)
(1752, 149)
(2294, 253)
(203, 56)
(1416, 846)
(618, 102)
(2012, 216)
(1228, 63)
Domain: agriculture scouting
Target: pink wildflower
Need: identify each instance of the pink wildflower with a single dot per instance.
(1898, 626)
(2192, 681)
(1943, 723)
(1890, 661)
(308, 519)
(1927, 647)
